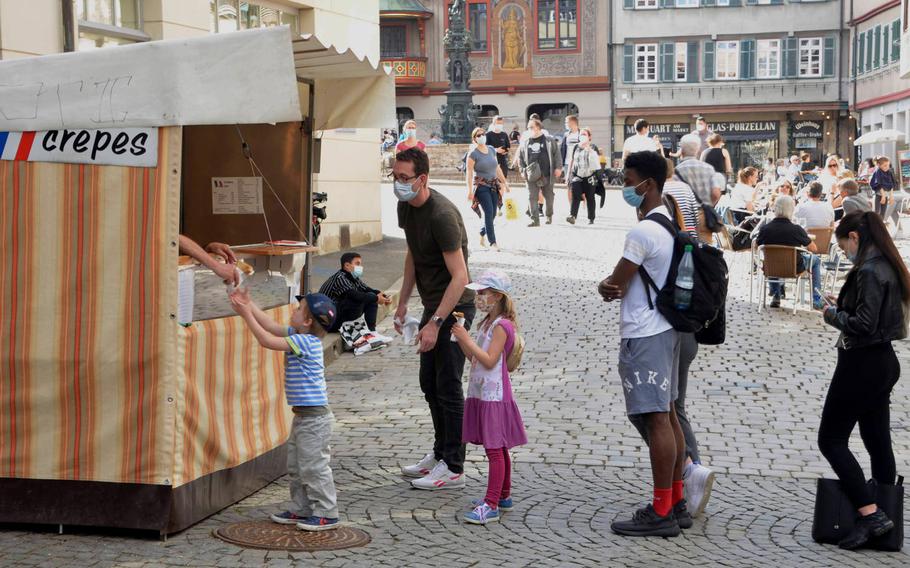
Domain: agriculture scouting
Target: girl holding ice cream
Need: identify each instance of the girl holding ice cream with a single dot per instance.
(491, 417)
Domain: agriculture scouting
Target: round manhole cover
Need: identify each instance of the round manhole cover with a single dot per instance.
(267, 535)
(348, 376)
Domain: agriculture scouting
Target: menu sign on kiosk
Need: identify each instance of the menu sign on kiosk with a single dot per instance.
(903, 158)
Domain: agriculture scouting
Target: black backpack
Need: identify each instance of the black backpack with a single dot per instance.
(705, 316)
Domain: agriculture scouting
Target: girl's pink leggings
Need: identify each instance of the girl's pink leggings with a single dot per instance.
(499, 482)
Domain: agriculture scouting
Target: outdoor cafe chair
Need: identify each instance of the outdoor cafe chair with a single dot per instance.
(836, 265)
(778, 262)
(822, 239)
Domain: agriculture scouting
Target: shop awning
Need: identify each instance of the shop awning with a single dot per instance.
(246, 77)
(880, 137)
(351, 92)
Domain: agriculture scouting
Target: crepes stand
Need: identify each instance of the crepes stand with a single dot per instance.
(130, 395)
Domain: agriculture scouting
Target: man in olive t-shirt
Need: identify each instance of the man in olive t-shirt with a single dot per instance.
(437, 264)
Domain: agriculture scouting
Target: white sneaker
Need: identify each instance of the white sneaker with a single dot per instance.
(698, 481)
(440, 478)
(421, 468)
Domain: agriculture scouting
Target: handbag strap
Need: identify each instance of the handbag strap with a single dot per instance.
(695, 193)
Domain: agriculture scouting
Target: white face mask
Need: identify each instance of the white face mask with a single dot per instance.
(497, 128)
(583, 138)
(480, 140)
(701, 127)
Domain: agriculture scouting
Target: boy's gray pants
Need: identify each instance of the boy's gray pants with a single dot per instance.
(312, 484)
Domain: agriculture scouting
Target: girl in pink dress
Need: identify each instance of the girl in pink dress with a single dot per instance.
(491, 417)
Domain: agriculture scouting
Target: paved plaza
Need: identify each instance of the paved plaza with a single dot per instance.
(754, 402)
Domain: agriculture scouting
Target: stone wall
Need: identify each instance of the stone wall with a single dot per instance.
(444, 159)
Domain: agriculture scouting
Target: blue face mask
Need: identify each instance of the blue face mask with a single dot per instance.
(631, 196)
(404, 191)
(357, 272)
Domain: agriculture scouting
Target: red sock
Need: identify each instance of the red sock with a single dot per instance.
(662, 501)
(677, 491)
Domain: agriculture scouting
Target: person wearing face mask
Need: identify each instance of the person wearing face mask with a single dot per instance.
(703, 132)
(583, 165)
(499, 141)
(570, 139)
(650, 348)
(485, 181)
(540, 164)
(437, 263)
(351, 294)
(869, 315)
(409, 138)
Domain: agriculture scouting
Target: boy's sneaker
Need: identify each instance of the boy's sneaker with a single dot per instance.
(421, 468)
(698, 481)
(440, 478)
(481, 515)
(315, 524)
(286, 518)
(504, 504)
(646, 522)
(681, 512)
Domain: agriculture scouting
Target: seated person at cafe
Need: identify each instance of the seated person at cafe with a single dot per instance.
(850, 198)
(352, 297)
(227, 270)
(782, 231)
(816, 212)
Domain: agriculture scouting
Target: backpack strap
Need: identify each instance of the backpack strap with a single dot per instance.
(670, 226)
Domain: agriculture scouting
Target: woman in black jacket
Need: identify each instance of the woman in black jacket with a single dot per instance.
(869, 315)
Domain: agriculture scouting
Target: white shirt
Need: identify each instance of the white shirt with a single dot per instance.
(793, 172)
(741, 195)
(639, 143)
(827, 180)
(816, 213)
(650, 245)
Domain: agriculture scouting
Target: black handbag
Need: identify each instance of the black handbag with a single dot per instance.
(713, 222)
(835, 514)
(715, 332)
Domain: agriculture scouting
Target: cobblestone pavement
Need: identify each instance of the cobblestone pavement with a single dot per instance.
(754, 402)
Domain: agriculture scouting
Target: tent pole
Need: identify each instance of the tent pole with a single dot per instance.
(310, 146)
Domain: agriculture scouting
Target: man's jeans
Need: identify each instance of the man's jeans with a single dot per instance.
(311, 482)
(441, 371)
(350, 309)
(776, 287)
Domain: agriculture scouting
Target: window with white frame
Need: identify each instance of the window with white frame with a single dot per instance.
(767, 58)
(810, 57)
(646, 63)
(646, 4)
(723, 2)
(727, 55)
(681, 53)
(687, 3)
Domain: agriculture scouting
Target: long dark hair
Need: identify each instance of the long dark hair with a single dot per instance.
(872, 231)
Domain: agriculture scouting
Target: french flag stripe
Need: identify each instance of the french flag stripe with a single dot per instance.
(25, 145)
(12, 146)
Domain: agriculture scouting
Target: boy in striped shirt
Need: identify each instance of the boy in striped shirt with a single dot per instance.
(311, 483)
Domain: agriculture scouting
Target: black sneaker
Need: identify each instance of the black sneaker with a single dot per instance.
(681, 512)
(775, 301)
(867, 528)
(590, 221)
(570, 220)
(534, 224)
(646, 522)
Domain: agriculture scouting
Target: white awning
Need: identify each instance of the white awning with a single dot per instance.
(245, 77)
(879, 137)
(350, 91)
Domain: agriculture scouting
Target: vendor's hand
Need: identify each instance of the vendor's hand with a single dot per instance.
(228, 273)
(426, 339)
(223, 250)
(460, 333)
(609, 291)
(400, 314)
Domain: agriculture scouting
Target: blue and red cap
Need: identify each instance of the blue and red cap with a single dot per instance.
(322, 308)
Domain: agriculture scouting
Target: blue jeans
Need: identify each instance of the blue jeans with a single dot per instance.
(488, 199)
(776, 287)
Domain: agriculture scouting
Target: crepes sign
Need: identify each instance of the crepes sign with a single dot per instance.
(107, 146)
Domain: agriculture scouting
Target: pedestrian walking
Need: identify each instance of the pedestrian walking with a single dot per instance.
(697, 174)
(541, 166)
(499, 141)
(583, 166)
(649, 349)
(883, 184)
(717, 156)
(570, 139)
(437, 263)
(641, 141)
(703, 132)
(869, 315)
(491, 416)
(486, 182)
(311, 482)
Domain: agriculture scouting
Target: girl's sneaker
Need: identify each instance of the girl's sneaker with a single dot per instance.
(481, 515)
(504, 504)
(317, 524)
(286, 518)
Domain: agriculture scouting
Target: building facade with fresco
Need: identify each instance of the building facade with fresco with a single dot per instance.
(768, 75)
(543, 56)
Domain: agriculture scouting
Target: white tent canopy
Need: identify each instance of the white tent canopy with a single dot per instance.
(880, 137)
(234, 78)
